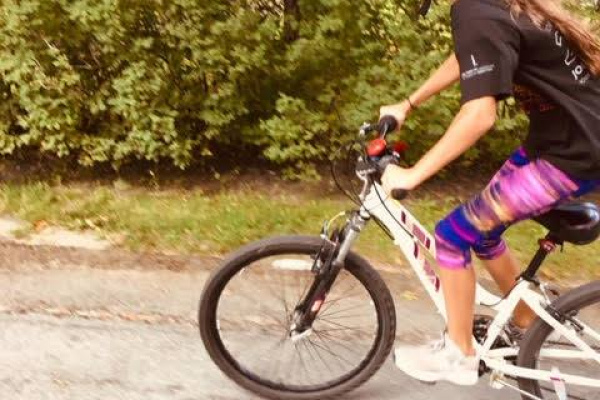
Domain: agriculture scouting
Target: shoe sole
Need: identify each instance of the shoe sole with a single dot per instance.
(457, 378)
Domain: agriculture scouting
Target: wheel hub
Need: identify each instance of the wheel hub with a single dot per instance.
(300, 336)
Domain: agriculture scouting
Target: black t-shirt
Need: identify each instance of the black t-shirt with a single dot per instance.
(502, 56)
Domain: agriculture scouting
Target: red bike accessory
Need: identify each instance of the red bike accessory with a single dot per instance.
(377, 147)
(400, 147)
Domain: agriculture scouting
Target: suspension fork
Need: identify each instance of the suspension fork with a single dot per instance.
(308, 309)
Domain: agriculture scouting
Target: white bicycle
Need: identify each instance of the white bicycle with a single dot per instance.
(302, 318)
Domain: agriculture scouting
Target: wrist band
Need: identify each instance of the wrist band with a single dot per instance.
(410, 103)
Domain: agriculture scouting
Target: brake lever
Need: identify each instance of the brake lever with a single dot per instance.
(375, 169)
(387, 124)
(386, 161)
(364, 167)
(367, 128)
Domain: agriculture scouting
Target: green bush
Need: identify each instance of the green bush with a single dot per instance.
(107, 81)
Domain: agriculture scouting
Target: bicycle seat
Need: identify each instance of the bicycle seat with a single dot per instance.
(577, 223)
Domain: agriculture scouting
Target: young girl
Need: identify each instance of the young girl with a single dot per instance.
(547, 59)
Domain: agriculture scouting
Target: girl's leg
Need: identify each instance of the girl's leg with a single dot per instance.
(459, 294)
(448, 362)
(524, 192)
(519, 191)
(459, 283)
(503, 266)
(505, 270)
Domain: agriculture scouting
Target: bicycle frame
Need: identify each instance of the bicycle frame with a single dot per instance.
(416, 243)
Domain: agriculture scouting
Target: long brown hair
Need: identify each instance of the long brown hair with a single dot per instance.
(577, 33)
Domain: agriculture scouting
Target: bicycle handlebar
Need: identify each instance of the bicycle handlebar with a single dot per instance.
(387, 124)
(381, 165)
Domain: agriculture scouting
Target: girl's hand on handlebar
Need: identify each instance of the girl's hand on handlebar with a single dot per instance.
(398, 111)
(396, 177)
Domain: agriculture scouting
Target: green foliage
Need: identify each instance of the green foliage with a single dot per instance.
(181, 80)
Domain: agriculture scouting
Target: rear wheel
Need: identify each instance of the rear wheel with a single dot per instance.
(246, 314)
(583, 305)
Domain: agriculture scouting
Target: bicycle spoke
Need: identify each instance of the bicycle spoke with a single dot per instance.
(344, 310)
(303, 363)
(257, 350)
(341, 327)
(342, 317)
(330, 302)
(327, 349)
(563, 357)
(275, 366)
(304, 343)
(339, 342)
(570, 345)
(320, 356)
(553, 392)
(255, 313)
(306, 287)
(284, 288)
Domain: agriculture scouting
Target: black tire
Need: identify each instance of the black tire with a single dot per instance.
(535, 338)
(355, 265)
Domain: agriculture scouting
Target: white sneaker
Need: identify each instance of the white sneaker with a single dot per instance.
(440, 361)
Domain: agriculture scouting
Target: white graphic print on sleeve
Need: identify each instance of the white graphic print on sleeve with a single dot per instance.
(477, 70)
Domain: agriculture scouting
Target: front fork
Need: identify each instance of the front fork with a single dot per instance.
(309, 307)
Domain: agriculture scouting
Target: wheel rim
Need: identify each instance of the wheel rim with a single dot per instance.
(253, 320)
(588, 316)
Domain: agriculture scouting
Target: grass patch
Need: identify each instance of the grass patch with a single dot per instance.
(193, 222)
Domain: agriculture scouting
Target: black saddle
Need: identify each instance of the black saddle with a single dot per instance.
(577, 223)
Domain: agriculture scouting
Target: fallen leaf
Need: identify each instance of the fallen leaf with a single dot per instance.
(410, 296)
(40, 225)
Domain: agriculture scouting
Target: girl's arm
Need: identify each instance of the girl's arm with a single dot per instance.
(475, 119)
(445, 76)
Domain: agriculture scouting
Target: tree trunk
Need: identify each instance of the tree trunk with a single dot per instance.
(291, 20)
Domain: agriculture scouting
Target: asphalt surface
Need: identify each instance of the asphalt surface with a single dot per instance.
(72, 330)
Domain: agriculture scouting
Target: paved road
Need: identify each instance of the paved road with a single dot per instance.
(54, 358)
(70, 331)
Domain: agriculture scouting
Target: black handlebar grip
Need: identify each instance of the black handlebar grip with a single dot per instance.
(399, 194)
(387, 124)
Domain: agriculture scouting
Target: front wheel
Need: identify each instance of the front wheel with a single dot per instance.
(540, 350)
(247, 311)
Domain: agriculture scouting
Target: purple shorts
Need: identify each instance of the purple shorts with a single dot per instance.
(520, 190)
